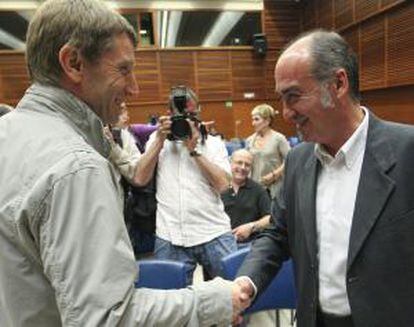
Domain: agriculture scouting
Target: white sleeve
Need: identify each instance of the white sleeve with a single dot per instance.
(217, 153)
(129, 145)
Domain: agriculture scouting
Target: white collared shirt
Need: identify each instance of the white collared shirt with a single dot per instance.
(189, 211)
(335, 202)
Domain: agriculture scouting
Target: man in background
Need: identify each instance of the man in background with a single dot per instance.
(191, 170)
(65, 257)
(246, 202)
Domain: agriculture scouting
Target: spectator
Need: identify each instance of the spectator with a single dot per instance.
(65, 257)
(246, 202)
(345, 211)
(191, 224)
(269, 149)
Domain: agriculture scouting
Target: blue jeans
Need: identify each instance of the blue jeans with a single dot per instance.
(207, 254)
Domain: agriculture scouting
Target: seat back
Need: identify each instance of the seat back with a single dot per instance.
(161, 274)
(281, 292)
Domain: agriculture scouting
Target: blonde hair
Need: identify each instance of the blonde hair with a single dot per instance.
(265, 111)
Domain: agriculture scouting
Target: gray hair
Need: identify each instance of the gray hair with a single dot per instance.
(5, 108)
(242, 151)
(88, 25)
(329, 52)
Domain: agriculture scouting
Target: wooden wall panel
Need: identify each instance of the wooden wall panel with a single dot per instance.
(372, 56)
(14, 78)
(176, 68)
(214, 75)
(344, 13)
(364, 8)
(325, 14)
(248, 75)
(385, 3)
(271, 59)
(401, 46)
(395, 104)
(282, 22)
(147, 73)
(352, 37)
(309, 15)
(221, 115)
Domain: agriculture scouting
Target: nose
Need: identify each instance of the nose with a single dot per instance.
(132, 85)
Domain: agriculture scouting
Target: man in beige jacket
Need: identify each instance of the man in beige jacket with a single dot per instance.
(65, 257)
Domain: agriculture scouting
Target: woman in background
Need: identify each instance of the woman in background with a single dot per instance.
(269, 149)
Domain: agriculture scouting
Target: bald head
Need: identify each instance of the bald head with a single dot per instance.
(241, 153)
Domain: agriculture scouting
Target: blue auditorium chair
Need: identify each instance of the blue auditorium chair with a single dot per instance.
(161, 274)
(280, 294)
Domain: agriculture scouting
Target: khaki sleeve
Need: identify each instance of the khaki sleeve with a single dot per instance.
(88, 260)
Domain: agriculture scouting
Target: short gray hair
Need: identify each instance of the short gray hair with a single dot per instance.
(88, 25)
(242, 151)
(329, 52)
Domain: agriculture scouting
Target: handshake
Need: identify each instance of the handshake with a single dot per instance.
(242, 295)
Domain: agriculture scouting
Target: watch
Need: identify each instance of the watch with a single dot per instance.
(195, 153)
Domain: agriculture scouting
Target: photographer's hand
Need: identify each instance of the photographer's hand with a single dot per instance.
(216, 176)
(164, 127)
(192, 142)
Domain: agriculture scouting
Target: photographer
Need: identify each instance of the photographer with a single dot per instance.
(192, 170)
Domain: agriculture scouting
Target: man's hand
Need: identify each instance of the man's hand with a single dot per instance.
(164, 127)
(243, 232)
(191, 143)
(242, 294)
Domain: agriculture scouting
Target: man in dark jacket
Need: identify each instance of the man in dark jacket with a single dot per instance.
(345, 213)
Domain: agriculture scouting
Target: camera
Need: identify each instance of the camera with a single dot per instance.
(184, 106)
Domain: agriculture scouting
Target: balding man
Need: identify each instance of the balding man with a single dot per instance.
(345, 213)
(246, 202)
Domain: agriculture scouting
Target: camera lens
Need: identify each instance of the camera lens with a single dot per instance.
(180, 128)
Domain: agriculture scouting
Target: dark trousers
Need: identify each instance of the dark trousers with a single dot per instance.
(328, 320)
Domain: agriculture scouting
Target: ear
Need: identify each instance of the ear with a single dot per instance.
(341, 83)
(71, 62)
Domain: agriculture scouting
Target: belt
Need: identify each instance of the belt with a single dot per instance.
(329, 320)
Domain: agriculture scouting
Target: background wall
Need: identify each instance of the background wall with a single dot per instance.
(381, 32)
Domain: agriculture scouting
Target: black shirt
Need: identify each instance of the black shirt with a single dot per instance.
(250, 203)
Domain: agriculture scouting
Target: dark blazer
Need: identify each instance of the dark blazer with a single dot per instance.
(380, 269)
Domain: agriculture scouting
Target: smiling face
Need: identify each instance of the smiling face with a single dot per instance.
(241, 165)
(305, 102)
(107, 82)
